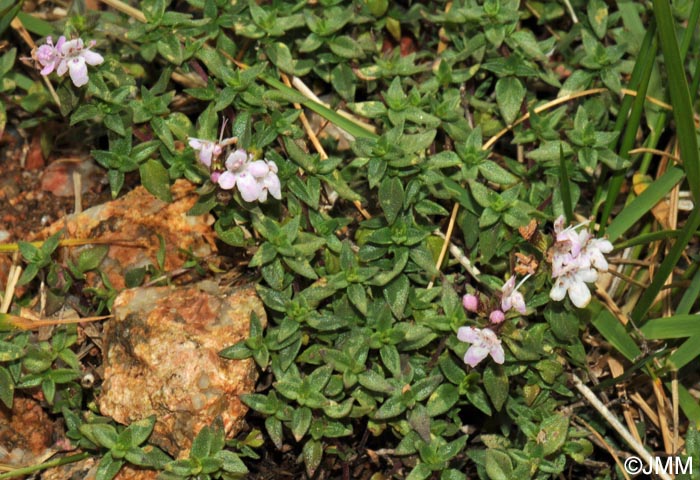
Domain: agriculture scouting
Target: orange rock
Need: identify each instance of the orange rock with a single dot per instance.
(25, 432)
(133, 223)
(161, 357)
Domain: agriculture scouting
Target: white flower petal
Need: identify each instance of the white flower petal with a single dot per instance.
(498, 354)
(558, 291)
(196, 143)
(249, 187)
(272, 183)
(227, 180)
(92, 58)
(258, 168)
(579, 294)
(236, 160)
(62, 67)
(78, 71)
(475, 354)
(468, 334)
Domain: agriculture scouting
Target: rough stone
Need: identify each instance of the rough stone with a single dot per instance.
(131, 226)
(161, 357)
(26, 432)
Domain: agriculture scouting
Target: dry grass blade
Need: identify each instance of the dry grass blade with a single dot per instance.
(24, 323)
(616, 425)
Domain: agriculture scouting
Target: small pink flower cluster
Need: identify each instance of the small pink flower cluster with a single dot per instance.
(253, 178)
(484, 341)
(577, 258)
(71, 56)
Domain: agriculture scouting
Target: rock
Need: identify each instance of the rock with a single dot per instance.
(57, 177)
(132, 225)
(26, 432)
(161, 357)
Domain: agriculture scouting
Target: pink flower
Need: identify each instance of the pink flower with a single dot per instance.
(511, 297)
(573, 282)
(576, 260)
(208, 150)
(74, 58)
(49, 55)
(484, 342)
(470, 302)
(497, 316)
(254, 179)
(235, 168)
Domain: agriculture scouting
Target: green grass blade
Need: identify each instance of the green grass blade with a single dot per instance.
(686, 353)
(610, 327)
(655, 192)
(690, 296)
(685, 132)
(680, 95)
(8, 15)
(639, 81)
(666, 268)
(338, 120)
(35, 25)
(647, 238)
(565, 186)
(676, 326)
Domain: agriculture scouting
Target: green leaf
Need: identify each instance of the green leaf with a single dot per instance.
(9, 351)
(610, 327)
(396, 295)
(232, 462)
(280, 55)
(108, 467)
(554, 428)
(36, 25)
(391, 197)
(155, 178)
(640, 206)
(100, 434)
(498, 465)
(301, 420)
(91, 258)
(496, 385)
(598, 16)
(442, 399)
(7, 387)
(312, 453)
(9, 15)
(391, 407)
(676, 326)
(510, 93)
(141, 430)
(346, 47)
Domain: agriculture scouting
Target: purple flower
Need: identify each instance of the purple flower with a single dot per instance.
(470, 302)
(484, 342)
(74, 59)
(49, 55)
